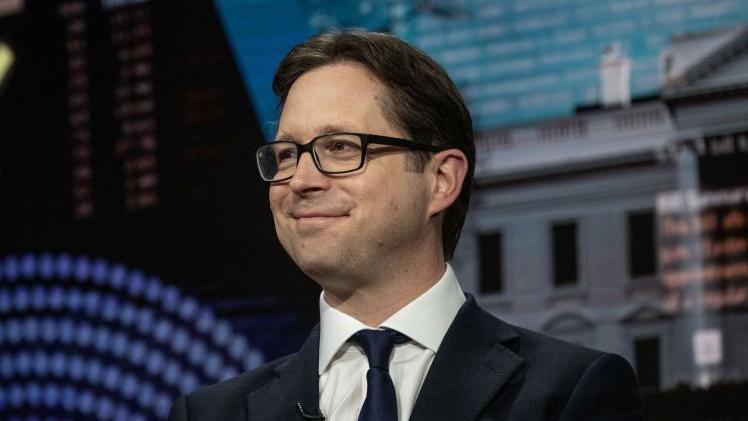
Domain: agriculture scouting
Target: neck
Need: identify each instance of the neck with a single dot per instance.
(374, 301)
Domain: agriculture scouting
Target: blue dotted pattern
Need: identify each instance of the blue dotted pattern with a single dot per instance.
(86, 339)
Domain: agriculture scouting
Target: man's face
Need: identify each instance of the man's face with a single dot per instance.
(348, 227)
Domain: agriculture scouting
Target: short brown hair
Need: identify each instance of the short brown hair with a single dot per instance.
(422, 101)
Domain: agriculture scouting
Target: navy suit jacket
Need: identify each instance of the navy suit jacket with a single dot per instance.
(485, 369)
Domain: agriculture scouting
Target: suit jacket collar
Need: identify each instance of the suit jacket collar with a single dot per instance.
(295, 390)
(469, 369)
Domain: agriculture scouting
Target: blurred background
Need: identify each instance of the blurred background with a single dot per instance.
(138, 260)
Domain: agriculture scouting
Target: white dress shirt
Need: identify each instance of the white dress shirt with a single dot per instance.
(343, 365)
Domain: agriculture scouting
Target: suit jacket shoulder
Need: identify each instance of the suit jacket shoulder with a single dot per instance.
(574, 382)
(497, 371)
(225, 400)
(280, 390)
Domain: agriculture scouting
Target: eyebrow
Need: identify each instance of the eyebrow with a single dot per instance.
(325, 129)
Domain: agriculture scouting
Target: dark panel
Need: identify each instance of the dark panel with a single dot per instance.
(491, 267)
(722, 161)
(642, 244)
(564, 238)
(647, 357)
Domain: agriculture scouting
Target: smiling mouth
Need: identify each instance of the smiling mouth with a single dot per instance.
(317, 217)
(314, 222)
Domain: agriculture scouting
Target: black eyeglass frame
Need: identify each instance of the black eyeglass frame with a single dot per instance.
(366, 140)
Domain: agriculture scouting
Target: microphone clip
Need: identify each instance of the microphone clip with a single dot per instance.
(300, 410)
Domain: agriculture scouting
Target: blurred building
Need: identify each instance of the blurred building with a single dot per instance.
(514, 60)
(573, 229)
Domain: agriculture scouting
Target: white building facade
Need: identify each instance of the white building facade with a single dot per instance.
(564, 234)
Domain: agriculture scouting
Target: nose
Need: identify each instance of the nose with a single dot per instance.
(307, 177)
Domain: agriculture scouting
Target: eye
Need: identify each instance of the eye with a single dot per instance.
(341, 146)
(285, 155)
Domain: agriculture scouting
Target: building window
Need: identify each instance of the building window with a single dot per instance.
(642, 244)
(490, 263)
(647, 355)
(564, 253)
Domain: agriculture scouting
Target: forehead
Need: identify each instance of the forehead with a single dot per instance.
(343, 96)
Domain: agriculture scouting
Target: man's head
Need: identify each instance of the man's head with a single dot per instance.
(402, 201)
(420, 100)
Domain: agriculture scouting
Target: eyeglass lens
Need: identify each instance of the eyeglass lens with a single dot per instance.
(335, 153)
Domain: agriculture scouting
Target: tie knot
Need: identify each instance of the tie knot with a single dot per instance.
(378, 344)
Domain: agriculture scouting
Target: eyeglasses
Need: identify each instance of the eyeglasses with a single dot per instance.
(334, 153)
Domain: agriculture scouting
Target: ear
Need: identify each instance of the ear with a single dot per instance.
(448, 169)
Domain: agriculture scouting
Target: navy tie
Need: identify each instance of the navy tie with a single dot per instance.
(381, 401)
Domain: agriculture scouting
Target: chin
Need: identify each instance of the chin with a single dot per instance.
(326, 269)
(320, 276)
(317, 266)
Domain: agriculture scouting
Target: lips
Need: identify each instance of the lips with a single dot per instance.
(317, 214)
(309, 223)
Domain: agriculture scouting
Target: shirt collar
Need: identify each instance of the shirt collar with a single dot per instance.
(425, 320)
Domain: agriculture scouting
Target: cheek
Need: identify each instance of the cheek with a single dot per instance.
(276, 198)
(388, 207)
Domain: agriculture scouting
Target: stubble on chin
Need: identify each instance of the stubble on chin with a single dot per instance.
(330, 265)
(316, 260)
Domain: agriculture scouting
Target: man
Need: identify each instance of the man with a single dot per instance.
(370, 179)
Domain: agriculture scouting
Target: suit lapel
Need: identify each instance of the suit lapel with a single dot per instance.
(470, 367)
(296, 383)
